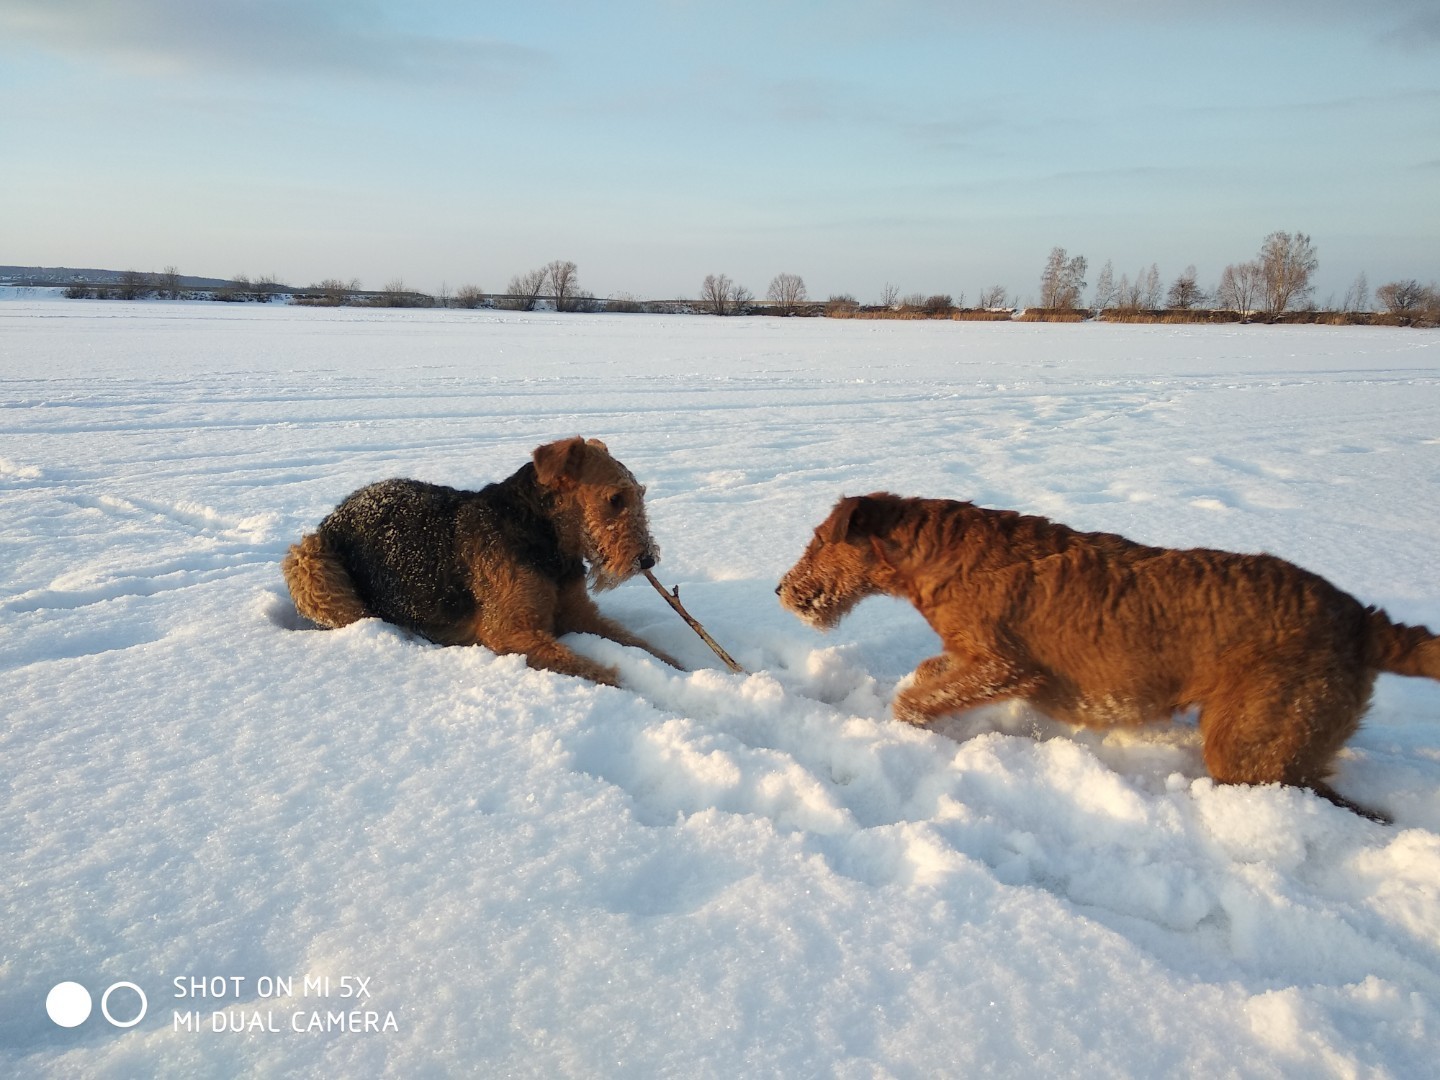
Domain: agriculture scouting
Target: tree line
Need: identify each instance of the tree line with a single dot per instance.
(1278, 282)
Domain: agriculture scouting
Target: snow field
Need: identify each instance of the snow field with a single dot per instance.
(700, 873)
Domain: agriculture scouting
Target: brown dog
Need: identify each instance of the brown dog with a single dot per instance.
(1094, 629)
(502, 567)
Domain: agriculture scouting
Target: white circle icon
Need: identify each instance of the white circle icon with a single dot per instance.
(105, 1005)
(68, 1004)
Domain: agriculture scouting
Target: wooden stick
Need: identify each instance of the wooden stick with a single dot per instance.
(672, 597)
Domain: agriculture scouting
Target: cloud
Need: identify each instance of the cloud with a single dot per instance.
(261, 37)
(1419, 31)
(1403, 23)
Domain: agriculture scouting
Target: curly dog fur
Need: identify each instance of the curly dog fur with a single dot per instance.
(1094, 629)
(503, 567)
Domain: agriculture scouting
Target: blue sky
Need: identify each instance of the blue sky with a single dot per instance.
(941, 147)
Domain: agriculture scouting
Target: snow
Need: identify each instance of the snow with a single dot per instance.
(699, 874)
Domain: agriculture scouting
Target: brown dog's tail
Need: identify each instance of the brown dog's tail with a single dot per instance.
(320, 585)
(1401, 649)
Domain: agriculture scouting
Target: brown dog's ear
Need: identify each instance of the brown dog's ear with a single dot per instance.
(557, 464)
(836, 527)
(860, 516)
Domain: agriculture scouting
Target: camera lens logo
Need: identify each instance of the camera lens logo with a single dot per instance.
(69, 1005)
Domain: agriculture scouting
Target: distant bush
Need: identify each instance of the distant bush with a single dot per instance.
(332, 292)
(134, 285)
(982, 315)
(1168, 315)
(469, 296)
(395, 294)
(1060, 314)
(624, 304)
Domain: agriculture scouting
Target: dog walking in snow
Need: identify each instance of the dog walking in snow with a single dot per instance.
(1094, 629)
(503, 567)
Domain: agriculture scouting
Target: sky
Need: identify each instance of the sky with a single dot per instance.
(936, 147)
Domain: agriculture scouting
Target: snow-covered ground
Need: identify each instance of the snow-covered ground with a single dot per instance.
(701, 874)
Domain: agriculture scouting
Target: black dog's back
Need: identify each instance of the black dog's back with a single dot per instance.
(407, 545)
(396, 539)
(503, 567)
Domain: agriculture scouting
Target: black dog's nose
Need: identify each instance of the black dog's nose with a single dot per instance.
(647, 561)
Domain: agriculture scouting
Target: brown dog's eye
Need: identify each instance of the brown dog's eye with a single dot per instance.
(617, 501)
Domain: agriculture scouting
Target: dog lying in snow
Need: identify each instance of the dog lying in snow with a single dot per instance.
(503, 567)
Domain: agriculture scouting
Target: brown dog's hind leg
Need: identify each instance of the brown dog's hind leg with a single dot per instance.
(1274, 727)
(319, 584)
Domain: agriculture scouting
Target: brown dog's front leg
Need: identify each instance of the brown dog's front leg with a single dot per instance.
(950, 683)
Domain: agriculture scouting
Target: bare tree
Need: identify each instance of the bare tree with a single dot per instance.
(995, 296)
(1287, 263)
(564, 283)
(787, 291)
(524, 290)
(1402, 297)
(715, 294)
(134, 285)
(841, 304)
(1104, 289)
(721, 296)
(890, 296)
(1431, 307)
(1127, 294)
(1150, 294)
(1240, 287)
(939, 304)
(1357, 297)
(1185, 293)
(1063, 280)
(168, 284)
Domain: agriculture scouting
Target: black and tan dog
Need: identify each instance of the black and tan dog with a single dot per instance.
(503, 567)
(1094, 629)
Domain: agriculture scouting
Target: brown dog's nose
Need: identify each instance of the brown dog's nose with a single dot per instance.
(647, 561)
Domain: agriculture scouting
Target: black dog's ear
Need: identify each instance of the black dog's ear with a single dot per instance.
(859, 516)
(557, 464)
